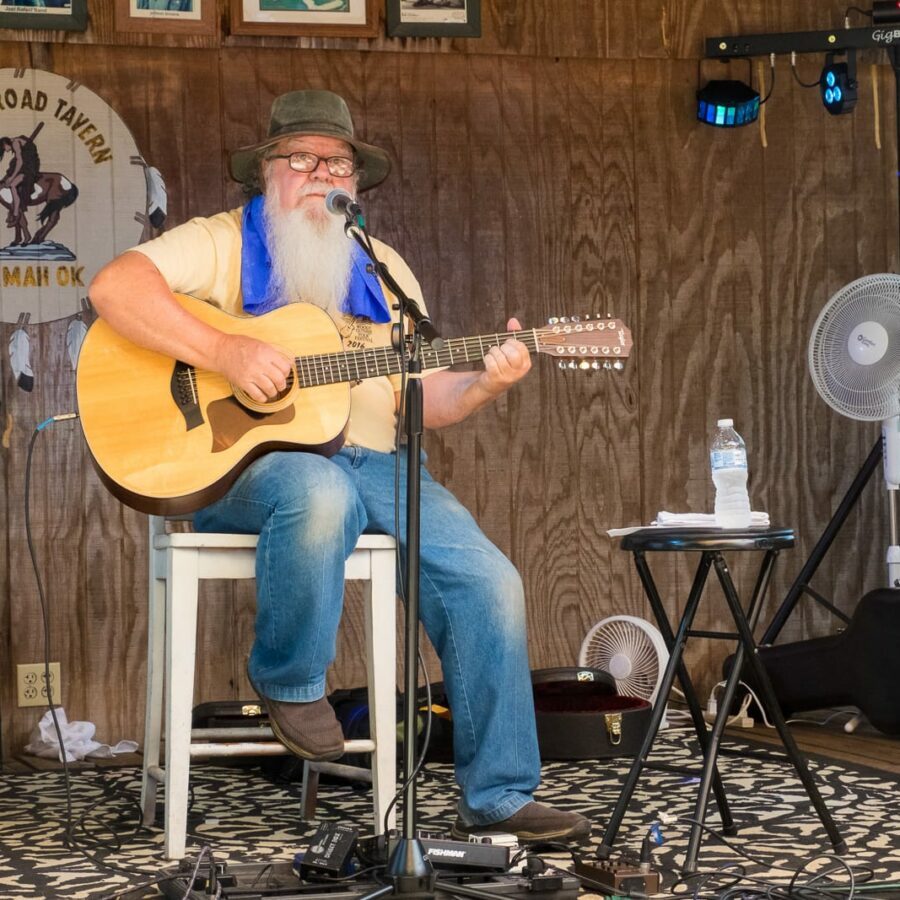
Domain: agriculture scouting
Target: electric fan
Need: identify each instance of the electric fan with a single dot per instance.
(854, 360)
(631, 650)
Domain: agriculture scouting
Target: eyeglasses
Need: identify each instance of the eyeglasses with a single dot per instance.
(301, 161)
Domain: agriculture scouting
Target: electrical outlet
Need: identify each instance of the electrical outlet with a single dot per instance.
(31, 684)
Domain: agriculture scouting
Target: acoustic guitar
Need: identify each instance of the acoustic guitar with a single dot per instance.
(169, 438)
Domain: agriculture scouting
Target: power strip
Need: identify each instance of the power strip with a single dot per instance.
(733, 721)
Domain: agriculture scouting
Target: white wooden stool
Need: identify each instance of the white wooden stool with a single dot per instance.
(178, 561)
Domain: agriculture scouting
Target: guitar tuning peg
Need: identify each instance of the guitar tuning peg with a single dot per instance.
(584, 364)
(572, 364)
(553, 320)
(563, 318)
(563, 364)
(618, 365)
(595, 365)
(576, 318)
(607, 364)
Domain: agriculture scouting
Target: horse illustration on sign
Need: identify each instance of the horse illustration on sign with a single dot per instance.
(24, 185)
(73, 193)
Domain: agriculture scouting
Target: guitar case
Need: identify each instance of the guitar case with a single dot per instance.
(860, 666)
(580, 715)
(230, 714)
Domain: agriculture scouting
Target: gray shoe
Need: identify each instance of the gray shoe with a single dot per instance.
(533, 823)
(309, 730)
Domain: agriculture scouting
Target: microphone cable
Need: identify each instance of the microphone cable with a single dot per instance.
(70, 826)
(45, 618)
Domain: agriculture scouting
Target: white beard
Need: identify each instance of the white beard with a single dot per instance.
(311, 255)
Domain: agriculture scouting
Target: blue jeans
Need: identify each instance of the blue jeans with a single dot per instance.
(309, 512)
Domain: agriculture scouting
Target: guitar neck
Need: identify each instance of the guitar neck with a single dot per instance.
(356, 365)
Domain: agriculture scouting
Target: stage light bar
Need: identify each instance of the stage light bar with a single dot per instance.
(727, 104)
(884, 11)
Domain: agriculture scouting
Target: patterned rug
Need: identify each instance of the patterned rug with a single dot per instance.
(246, 814)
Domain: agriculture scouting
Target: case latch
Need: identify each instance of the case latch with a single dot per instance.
(614, 727)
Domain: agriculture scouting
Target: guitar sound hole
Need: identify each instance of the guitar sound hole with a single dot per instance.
(282, 394)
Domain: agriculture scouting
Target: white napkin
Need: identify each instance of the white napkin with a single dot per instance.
(78, 740)
(708, 520)
(685, 520)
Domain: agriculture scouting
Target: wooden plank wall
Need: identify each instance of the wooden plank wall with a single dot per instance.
(552, 167)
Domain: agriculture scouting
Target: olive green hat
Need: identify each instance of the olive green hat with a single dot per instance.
(316, 113)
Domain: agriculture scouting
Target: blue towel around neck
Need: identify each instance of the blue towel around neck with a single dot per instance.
(260, 292)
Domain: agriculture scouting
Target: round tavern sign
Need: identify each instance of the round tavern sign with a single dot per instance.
(72, 193)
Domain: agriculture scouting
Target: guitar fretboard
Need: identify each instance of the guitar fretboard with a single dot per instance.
(356, 365)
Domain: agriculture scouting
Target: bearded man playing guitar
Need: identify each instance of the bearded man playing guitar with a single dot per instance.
(309, 509)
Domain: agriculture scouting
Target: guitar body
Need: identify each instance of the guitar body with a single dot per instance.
(169, 439)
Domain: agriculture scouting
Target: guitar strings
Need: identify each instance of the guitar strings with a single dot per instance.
(319, 369)
(335, 368)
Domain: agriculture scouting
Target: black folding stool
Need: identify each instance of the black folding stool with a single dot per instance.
(710, 543)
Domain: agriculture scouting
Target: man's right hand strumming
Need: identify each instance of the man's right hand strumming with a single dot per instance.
(255, 367)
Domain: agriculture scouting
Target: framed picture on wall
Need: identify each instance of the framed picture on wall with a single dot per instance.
(69, 15)
(434, 18)
(167, 16)
(315, 18)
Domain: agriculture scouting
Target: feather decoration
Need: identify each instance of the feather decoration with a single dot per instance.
(20, 354)
(157, 197)
(74, 338)
(77, 329)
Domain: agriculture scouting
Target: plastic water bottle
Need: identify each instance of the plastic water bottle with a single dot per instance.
(728, 456)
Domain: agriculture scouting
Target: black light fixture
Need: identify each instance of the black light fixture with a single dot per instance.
(727, 104)
(838, 85)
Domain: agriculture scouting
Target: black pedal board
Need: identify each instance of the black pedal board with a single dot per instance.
(256, 881)
(464, 856)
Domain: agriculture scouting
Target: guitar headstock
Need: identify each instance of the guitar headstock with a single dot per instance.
(585, 342)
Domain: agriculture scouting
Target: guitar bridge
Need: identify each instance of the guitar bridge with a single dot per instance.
(184, 392)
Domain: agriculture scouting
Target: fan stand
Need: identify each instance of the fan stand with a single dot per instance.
(883, 450)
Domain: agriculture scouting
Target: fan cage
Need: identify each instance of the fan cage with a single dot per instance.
(639, 642)
(864, 392)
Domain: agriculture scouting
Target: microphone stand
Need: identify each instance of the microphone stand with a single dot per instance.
(409, 869)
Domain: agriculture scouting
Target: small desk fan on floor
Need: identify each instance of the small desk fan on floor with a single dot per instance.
(631, 650)
(854, 361)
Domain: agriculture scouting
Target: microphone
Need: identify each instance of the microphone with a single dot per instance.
(339, 203)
